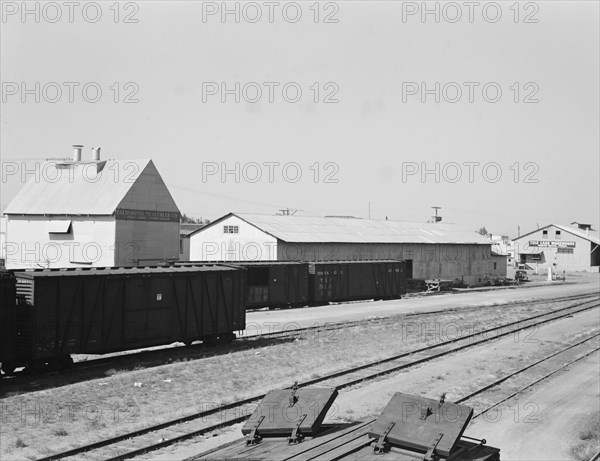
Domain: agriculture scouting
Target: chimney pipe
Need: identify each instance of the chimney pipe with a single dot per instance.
(96, 154)
(77, 152)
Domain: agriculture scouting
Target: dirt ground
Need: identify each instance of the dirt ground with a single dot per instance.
(539, 425)
(563, 403)
(265, 321)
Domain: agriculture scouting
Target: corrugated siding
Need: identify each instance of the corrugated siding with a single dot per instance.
(77, 190)
(305, 229)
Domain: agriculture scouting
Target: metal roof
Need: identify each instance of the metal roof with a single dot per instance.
(76, 189)
(310, 229)
(93, 271)
(591, 235)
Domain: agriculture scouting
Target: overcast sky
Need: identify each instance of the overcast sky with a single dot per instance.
(368, 136)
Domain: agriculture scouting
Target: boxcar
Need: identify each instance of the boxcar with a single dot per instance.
(7, 321)
(355, 280)
(96, 310)
(271, 283)
(276, 284)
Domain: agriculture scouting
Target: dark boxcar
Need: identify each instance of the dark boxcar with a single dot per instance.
(355, 280)
(276, 284)
(7, 321)
(95, 311)
(272, 283)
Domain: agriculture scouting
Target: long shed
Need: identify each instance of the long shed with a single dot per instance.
(431, 250)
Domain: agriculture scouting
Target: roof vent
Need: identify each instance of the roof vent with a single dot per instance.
(77, 148)
(96, 154)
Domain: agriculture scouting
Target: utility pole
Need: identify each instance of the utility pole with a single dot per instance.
(436, 218)
(287, 212)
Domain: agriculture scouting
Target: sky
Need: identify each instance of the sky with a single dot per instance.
(371, 109)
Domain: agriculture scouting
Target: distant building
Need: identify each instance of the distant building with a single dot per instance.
(502, 245)
(185, 230)
(92, 213)
(443, 251)
(569, 248)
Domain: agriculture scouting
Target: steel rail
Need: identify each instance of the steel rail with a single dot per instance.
(327, 326)
(222, 408)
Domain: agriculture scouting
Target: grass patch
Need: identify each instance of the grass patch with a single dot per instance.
(589, 441)
(60, 432)
(89, 412)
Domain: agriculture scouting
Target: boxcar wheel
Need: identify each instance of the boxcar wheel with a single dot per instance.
(226, 338)
(210, 341)
(8, 367)
(65, 362)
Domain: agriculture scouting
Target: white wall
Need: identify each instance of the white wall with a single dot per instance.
(210, 243)
(30, 245)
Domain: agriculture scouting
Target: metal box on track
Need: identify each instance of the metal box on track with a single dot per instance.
(355, 280)
(101, 310)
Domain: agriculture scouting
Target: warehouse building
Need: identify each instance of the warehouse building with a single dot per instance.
(80, 213)
(443, 251)
(566, 248)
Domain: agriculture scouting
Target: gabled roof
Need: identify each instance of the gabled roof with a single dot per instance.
(309, 229)
(85, 188)
(591, 235)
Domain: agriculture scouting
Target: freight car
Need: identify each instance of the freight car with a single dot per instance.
(337, 281)
(276, 284)
(288, 425)
(101, 310)
(299, 283)
(8, 318)
(273, 284)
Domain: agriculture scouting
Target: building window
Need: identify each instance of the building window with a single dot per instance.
(545, 233)
(495, 266)
(180, 246)
(557, 235)
(231, 229)
(568, 251)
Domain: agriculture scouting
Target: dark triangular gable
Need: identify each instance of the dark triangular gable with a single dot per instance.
(150, 188)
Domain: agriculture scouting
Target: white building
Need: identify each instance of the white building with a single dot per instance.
(443, 251)
(565, 248)
(92, 213)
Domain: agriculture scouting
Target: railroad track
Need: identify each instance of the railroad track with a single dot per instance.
(249, 340)
(139, 442)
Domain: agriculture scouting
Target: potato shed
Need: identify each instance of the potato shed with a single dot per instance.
(443, 251)
(78, 213)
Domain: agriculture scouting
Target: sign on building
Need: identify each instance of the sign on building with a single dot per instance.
(551, 243)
